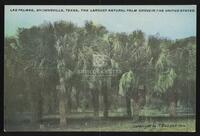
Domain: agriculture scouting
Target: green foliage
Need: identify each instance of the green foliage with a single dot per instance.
(33, 65)
(165, 81)
(126, 82)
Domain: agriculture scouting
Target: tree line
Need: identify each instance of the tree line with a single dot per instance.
(41, 67)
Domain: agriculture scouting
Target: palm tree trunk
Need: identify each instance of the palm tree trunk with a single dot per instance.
(95, 101)
(172, 106)
(77, 99)
(36, 104)
(62, 113)
(39, 107)
(33, 110)
(62, 110)
(172, 109)
(61, 86)
(105, 100)
(128, 105)
(106, 89)
(69, 100)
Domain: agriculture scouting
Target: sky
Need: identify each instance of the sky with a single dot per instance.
(173, 25)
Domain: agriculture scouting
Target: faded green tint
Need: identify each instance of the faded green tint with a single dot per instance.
(60, 76)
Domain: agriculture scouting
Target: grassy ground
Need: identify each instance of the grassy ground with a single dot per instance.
(113, 123)
(166, 125)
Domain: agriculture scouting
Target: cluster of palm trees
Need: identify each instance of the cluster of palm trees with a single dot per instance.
(42, 64)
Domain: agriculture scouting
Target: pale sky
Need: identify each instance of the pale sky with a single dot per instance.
(169, 24)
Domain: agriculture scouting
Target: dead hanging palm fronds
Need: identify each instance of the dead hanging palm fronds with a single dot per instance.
(163, 61)
(165, 72)
(126, 81)
(165, 81)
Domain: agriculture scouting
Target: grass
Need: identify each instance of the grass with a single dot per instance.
(178, 125)
(86, 122)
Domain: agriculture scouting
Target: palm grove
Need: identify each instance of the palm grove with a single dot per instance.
(41, 75)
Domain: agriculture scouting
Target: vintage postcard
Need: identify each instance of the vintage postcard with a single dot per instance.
(100, 68)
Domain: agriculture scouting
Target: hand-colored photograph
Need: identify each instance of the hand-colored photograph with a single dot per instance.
(100, 68)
